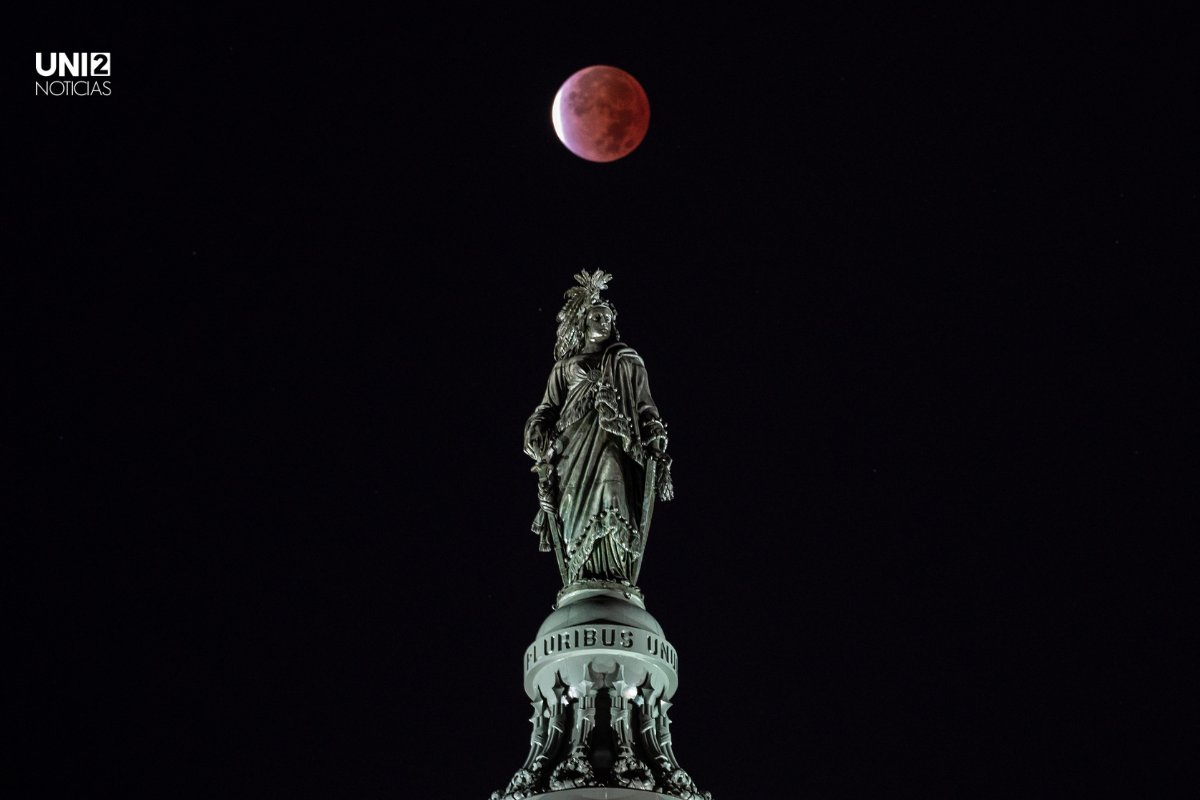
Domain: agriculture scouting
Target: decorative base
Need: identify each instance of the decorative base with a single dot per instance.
(600, 677)
(602, 793)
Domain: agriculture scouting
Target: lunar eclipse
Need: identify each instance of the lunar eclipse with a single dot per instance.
(601, 113)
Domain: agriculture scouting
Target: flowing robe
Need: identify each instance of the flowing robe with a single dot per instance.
(596, 412)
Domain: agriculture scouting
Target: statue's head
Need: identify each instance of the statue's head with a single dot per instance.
(598, 322)
(585, 318)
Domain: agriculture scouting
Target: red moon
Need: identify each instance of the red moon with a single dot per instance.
(601, 113)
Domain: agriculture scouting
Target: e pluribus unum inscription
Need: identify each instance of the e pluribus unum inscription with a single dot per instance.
(633, 640)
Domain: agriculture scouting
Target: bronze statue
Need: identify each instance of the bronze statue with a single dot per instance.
(600, 672)
(599, 445)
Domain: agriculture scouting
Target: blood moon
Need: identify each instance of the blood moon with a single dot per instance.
(601, 113)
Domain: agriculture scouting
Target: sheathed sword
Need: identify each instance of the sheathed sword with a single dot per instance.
(647, 514)
(544, 469)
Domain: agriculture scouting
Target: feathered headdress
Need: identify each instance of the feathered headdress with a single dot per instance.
(579, 300)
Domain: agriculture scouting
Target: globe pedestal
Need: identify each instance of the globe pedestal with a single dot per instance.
(600, 675)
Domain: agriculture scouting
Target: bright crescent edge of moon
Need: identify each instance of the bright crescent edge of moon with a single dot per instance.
(556, 116)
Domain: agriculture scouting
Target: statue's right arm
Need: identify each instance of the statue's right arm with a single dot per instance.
(541, 421)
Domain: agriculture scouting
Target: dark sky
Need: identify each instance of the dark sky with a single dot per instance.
(911, 290)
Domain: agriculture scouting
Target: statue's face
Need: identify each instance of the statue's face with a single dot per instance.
(599, 323)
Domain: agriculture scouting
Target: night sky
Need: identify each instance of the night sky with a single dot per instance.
(912, 292)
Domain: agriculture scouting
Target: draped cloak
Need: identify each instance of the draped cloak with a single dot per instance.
(596, 410)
